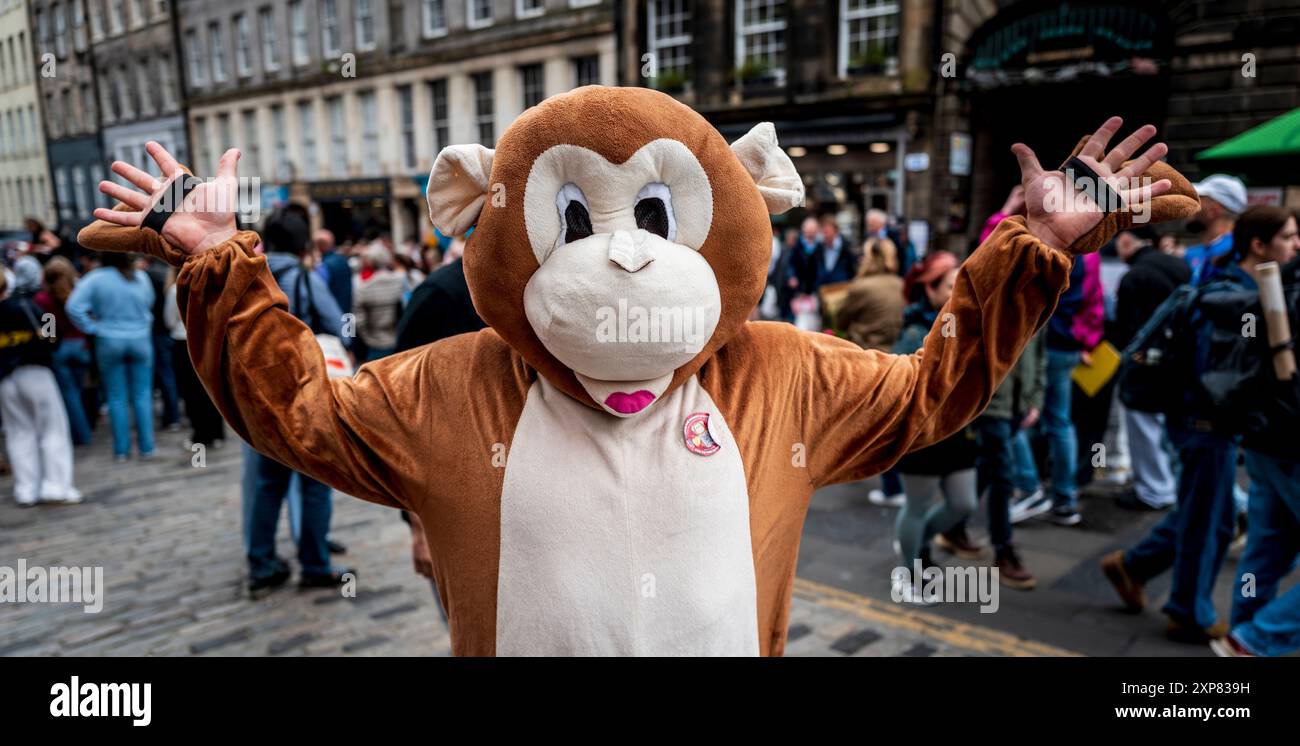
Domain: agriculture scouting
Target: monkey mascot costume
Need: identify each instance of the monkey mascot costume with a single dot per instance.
(621, 464)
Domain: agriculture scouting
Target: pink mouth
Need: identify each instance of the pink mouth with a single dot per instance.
(629, 403)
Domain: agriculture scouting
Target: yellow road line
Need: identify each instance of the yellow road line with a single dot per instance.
(968, 636)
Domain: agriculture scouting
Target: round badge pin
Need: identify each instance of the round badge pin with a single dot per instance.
(698, 438)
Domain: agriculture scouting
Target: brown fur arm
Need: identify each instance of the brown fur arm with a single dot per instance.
(866, 409)
(369, 436)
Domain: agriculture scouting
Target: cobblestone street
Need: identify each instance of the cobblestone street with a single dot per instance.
(168, 537)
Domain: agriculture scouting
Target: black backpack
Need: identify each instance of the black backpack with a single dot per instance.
(1194, 360)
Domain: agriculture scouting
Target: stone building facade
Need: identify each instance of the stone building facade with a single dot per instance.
(344, 104)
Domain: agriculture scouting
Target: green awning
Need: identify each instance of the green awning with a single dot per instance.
(1276, 137)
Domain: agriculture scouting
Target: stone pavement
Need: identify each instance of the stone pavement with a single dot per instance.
(167, 535)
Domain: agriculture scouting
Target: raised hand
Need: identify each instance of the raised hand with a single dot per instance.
(204, 219)
(1057, 213)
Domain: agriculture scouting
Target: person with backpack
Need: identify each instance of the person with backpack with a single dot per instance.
(38, 439)
(1193, 539)
(286, 240)
(1152, 277)
(1262, 622)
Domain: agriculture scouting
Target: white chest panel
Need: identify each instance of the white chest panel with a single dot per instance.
(618, 540)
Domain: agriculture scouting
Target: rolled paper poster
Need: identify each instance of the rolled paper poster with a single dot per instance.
(1273, 303)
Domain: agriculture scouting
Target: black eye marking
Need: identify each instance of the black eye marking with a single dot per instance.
(577, 222)
(652, 216)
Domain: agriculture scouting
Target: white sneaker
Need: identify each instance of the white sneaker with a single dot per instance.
(1033, 504)
(878, 497)
(71, 497)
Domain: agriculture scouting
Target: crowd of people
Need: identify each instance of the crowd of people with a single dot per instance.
(86, 335)
(1044, 435)
(89, 338)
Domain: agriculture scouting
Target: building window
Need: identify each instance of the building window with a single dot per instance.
(270, 45)
(281, 134)
(365, 24)
(668, 24)
(529, 8)
(96, 176)
(79, 190)
(194, 56)
(116, 16)
(329, 27)
(107, 105)
(124, 108)
(139, 14)
(36, 129)
(243, 46)
(438, 104)
(203, 163)
(868, 38)
(483, 108)
(369, 133)
(96, 20)
(307, 125)
(582, 3)
(59, 11)
(338, 137)
(532, 83)
(406, 117)
(217, 48)
(252, 142)
(60, 186)
(479, 13)
(142, 78)
(433, 18)
(298, 29)
(760, 41)
(166, 84)
(225, 140)
(586, 70)
(79, 25)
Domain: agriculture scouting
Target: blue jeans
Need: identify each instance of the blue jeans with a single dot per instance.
(1059, 427)
(1024, 470)
(996, 462)
(271, 489)
(126, 366)
(1193, 538)
(1264, 622)
(165, 377)
(71, 359)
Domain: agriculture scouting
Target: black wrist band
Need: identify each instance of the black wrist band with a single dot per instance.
(173, 197)
(1086, 180)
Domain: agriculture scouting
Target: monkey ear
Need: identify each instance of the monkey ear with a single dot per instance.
(458, 186)
(770, 167)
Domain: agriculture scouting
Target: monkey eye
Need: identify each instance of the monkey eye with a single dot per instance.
(574, 215)
(654, 211)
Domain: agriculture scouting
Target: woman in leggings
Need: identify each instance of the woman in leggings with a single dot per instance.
(938, 480)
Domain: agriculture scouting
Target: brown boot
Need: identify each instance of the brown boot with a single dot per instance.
(957, 542)
(1185, 630)
(1010, 572)
(1130, 590)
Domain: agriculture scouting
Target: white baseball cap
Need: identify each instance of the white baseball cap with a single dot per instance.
(1226, 190)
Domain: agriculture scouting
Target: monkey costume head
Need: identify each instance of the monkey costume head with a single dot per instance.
(619, 240)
